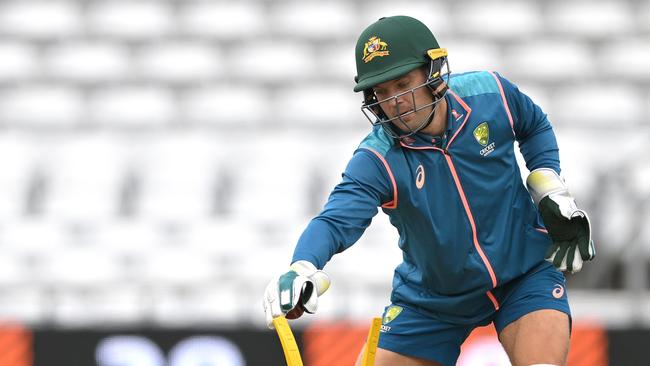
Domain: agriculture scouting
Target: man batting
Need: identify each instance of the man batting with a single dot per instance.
(440, 162)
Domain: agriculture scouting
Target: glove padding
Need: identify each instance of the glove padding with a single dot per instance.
(568, 226)
(570, 232)
(294, 292)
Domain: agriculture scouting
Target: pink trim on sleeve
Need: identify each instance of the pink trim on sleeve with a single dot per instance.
(468, 111)
(505, 102)
(391, 204)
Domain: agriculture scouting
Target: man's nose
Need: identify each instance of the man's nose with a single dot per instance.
(399, 101)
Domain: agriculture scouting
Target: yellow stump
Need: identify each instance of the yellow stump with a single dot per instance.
(371, 344)
(288, 341)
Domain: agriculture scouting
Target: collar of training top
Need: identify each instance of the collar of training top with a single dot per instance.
(457, 112)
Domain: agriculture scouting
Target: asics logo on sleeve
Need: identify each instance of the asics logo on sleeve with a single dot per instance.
(419, 176)
(558, 291)
(456, 115)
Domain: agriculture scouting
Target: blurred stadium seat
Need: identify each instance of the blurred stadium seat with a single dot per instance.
(130, 20)
(270, 190)
(41, 19)
(472, 54)
(85, 177)
(18, 154)
(132, 106)
(34, 241)
(223, 20)
(225, 105)
(25, 304)
(641, 16)
(129, 237)
(225, 241)
(640, 174)
(373, 259)
(436, 15)
(628, 58)
(583, 19)
(529, 60)
(19, 61)
(12, 270)
(209, 304)
(271, 60)
(88, 62)
(339, 65)
(305, 105)
(181, 62)
(79, 267)
(599, 104)
(178, 177)
(119, 304)
(176, 266)
(42, 105)
(317, 20)
(497, 19)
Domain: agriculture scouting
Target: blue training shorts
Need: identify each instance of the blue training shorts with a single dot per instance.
(409, 332)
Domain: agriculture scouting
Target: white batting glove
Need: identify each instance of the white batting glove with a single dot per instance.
(294, 292)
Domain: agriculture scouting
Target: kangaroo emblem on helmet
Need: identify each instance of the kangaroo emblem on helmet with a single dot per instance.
(373, 48)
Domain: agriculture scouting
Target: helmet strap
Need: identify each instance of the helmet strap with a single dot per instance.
(435, 77)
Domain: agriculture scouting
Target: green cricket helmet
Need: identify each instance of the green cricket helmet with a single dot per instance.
(390, 48)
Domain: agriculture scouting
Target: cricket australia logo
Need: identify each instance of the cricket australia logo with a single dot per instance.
(390, 315)
(375, 47)
(482, 136)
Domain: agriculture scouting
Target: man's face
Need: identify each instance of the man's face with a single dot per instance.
(405, 104)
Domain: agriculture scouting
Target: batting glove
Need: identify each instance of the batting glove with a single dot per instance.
(568, 226)
(294, 292)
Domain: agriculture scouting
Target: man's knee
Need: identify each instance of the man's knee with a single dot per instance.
(539, 338)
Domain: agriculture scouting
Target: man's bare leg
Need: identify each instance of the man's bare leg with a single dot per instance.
(540, 337)
(384, 357)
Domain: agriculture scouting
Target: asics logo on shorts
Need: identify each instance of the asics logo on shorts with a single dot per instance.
(558, 291)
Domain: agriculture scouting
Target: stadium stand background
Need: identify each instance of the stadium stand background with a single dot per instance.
(158, 159)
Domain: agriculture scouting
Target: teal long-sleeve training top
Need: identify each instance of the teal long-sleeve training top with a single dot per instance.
(466, 222)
